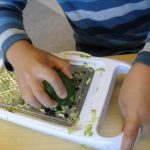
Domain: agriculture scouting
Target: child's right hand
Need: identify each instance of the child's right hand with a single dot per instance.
(32, 66)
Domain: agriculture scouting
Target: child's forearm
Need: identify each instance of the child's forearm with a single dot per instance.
(18, 50)
(11, 28)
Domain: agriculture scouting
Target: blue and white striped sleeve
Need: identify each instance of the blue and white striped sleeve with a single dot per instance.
(11, 26)
(144, 55)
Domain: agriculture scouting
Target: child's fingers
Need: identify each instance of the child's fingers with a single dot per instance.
(30, 98)
(130, 131)
(53, 78)
(37, 88)
(33, 102)
(67, 72)
(64, 66)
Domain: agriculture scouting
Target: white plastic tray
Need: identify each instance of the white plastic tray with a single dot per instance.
(97, 98)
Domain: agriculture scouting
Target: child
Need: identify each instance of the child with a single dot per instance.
(100, 28)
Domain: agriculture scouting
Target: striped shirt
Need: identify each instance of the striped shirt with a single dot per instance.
(121, 24)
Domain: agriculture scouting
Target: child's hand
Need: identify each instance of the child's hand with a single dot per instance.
(135, 104)
(32, 66)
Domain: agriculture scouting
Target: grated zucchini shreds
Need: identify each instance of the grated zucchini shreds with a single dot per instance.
(85, 65)
(42, 110)
(85, 56)
(89, 126)
(88, 129)
(88, 81)
(100, 69)
(84, 145)
(70, 130)
(10, 109)
(74, 117)
(93, 115)
(65, 56)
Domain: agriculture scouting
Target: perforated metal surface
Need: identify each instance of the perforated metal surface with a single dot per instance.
(10, 97)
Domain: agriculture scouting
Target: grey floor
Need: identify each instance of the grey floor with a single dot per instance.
(47, 29)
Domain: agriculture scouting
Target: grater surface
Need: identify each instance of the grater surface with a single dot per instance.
(10, 97)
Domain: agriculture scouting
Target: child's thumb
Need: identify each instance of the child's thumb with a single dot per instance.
(130, 132)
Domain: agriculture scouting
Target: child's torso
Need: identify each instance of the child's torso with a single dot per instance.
(116, 22)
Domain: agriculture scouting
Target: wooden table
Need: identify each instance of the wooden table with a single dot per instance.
(14, 137)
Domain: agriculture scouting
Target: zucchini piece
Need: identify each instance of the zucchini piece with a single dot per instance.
(71, 93)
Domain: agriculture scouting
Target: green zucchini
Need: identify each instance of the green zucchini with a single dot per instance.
(71, 93)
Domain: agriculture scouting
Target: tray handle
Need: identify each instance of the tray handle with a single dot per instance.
(98, 141)
(113, 143)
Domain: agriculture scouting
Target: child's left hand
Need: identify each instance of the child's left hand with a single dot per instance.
(134, 101)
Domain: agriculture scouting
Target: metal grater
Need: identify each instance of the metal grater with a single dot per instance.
(10, 97)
